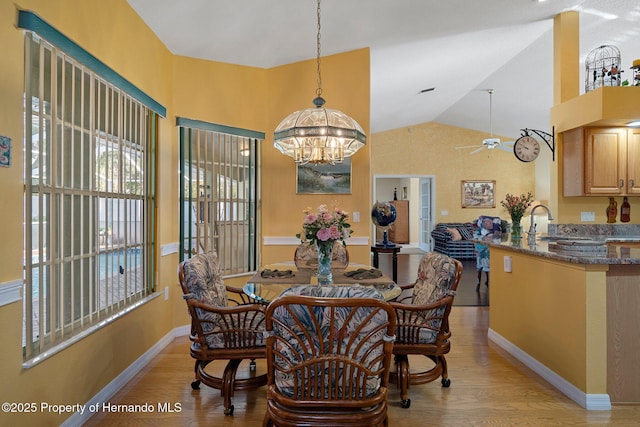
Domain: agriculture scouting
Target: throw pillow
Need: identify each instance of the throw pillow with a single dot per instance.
(455, 234)
(465, 233)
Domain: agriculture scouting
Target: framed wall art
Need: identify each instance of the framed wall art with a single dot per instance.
(5, 151)
(478, 194)
(324, 178)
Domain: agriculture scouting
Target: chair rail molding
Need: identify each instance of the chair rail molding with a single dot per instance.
(294, 241)
(10, 292)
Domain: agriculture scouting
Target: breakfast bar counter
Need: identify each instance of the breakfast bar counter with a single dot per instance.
(616, 251)
(572, 314)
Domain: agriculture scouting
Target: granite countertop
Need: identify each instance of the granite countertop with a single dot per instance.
(617, 253)
(615, 247)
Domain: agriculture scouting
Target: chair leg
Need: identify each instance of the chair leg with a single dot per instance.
(228, 384)
(446, 382)
(267, 421)
(403, 379)
(195, 385)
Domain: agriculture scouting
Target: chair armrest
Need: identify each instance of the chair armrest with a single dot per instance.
(243, 308)
(447, 300)
(423, 324)
(231, 328)
(406, 294)
(238, 296)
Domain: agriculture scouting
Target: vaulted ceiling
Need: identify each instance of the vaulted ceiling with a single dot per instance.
(461, 48)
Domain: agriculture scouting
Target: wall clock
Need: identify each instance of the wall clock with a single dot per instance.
(526, 148)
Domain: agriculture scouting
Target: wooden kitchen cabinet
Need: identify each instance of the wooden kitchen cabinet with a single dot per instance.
(399, 231)
(601, 161)
(633, 161)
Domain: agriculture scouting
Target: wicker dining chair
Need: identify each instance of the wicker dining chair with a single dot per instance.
(422, 312)
(219, 331)
(306, 256)
(328, 357)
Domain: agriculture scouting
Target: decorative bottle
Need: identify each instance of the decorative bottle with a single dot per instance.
(625, 211)
(395, 193)
(612, 210)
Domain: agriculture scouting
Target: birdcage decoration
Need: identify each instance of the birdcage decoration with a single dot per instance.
(602, 68)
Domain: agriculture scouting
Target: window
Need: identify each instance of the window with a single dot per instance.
(218, 197)
(88, 199)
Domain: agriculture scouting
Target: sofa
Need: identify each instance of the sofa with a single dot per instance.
(454, 239)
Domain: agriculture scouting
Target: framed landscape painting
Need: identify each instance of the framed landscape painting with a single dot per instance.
(324, 178)
(478, 194)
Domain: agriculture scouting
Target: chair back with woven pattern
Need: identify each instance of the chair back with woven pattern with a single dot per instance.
(219, 331)
(435, 288)
(328, 355)
(204, 291)
(423, 321)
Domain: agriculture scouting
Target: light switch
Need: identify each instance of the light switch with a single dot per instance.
(507, 264)
(356, 217)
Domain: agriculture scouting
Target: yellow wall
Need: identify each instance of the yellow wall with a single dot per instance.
(113, 33)
(291, 88)
(213, 92)
(554, 312)
(430, 149)
(245, 97)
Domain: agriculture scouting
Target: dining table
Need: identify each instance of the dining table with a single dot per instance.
(270, 281)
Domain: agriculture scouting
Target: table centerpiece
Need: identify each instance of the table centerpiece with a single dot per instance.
(322, 229)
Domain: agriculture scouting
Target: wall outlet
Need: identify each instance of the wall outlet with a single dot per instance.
(587, 216)
(444, 213)
(507, 264)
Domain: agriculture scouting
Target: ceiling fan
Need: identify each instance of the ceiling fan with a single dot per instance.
(491, 142)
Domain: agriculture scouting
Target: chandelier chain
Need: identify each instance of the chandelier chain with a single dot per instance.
(318, 135)
(319, 89)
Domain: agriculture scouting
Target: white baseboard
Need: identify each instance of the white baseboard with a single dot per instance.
(593, 402)
(125, 376)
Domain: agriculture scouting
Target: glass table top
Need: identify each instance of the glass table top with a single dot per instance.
(264, 288)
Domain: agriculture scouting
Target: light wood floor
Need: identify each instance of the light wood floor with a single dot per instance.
(488, 387)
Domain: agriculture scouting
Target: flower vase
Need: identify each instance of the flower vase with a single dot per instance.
(325, 250)
(516, 230)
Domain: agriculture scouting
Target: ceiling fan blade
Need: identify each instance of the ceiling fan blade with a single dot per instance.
(477, 150)
(506, 147)
(470, 146)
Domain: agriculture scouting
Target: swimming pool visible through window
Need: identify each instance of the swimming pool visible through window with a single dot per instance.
(88, 198)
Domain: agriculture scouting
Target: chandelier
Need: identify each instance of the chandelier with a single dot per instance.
(319, 134)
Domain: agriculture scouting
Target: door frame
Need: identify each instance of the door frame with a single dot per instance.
(413, 198)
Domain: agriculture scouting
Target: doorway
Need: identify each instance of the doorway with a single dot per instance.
(419, 191)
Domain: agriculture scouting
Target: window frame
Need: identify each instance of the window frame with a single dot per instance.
(80, 265)
(232, 230)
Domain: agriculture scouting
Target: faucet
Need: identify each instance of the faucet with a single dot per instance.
(531, 240)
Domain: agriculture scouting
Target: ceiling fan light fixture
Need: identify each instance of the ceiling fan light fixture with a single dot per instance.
(491, 142)
(319, 135)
